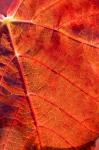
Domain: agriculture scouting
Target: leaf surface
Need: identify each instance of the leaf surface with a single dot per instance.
(49, 75)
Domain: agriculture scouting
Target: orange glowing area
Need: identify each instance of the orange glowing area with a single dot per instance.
(49, 75)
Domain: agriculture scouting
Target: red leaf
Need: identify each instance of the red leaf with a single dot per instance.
(49, 75)
(4, 5)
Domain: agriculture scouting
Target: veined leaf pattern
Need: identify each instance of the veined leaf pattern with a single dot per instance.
(49, 75)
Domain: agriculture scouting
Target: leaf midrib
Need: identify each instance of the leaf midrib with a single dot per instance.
(32, 111)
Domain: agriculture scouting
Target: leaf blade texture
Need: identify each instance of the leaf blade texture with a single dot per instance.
(49, 75)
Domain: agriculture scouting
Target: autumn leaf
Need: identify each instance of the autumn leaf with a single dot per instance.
(49, 75)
